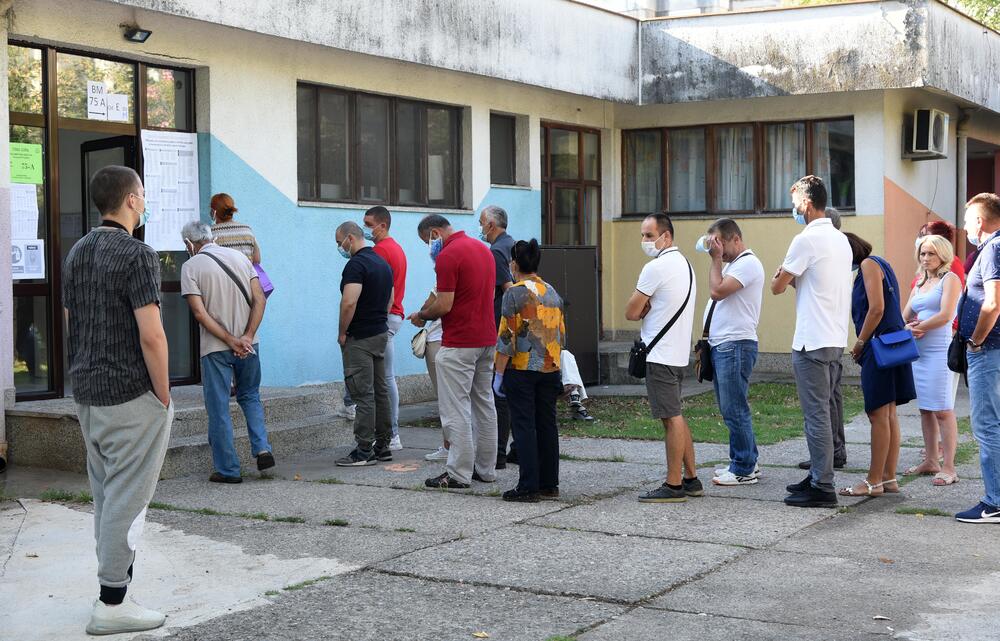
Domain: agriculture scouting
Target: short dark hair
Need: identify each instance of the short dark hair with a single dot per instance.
(349, 228)
(110, 186)
(812, 187)
(989, 202)
(527, 255)
(381, 215)
(663, 223)
(432, 221)
(726, 228)
(860, 248)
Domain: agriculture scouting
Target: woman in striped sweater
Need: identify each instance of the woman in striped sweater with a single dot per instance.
(229, 233)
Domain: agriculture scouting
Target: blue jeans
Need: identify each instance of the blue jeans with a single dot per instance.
(733, 362)
(984, 397)
(217, 371)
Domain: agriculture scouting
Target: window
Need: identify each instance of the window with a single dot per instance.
(571, 185)
(364, 148)
(502, 149)
(168, 98)
(735, 167)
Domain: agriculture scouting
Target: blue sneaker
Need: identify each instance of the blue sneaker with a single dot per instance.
(982, 513)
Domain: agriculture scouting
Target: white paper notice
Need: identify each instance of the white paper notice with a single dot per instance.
(97, 101)
(27, 258)
(170, 177)
(23, 211)
(117, 107)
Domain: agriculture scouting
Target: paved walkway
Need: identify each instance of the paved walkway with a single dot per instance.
(370, 554)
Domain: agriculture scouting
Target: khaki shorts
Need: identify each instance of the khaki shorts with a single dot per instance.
(663, 385)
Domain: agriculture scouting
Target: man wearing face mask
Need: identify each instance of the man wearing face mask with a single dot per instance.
(377, 222)
(223, 291)
(365, 300)
(666, 290)
(121, 385)
(464, 365)
(493, 230)
(818, 265)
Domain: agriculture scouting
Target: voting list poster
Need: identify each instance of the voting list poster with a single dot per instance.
(170, 177)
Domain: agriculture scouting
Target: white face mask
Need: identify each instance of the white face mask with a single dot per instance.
(649, 247)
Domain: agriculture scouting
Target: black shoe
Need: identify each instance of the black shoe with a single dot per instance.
(512, 456)
(805, 465)
(812, 497)
(580, 413)
(265, 460)
(222, 478)
(476, 477)
(837, 465)
(664, 494)
(693, 487)
(519, 496)
(801, 486)
(501, 463)
(357, 458)
(549, 493)
(446, 481)
(382, 451)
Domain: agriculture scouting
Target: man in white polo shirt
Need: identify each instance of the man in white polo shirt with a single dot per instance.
(818, 265)
(666, 285)
(731, 318)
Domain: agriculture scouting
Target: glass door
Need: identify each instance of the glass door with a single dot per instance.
(571, 186)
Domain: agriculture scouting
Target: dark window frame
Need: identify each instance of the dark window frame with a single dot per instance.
(453, 200)
(711, 165)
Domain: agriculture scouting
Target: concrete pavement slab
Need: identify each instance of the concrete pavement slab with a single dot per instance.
(431, 511)
(643, 623)
(634, 451)
(859, 455)
(371, 606)
(24, 482)
(771, 485)
(761, 524)
(921, 493)
(566, 562)
(52, 573)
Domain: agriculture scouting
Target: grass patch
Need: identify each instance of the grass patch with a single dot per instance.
(618, 458)
(843, 509)
(289, 519)
(336, 522)
(922, 511)
(257, 516)
(66, 496)
(405, 529)
(966, 452)
(777, 416)
(205, 511)
(965, 425)
(329, 481)
(272, 593)
(305, 584)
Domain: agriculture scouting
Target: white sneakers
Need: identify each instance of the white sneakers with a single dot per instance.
(395, 443)
(724, 477)
(441, 454)
(129, 616)
(348, 411)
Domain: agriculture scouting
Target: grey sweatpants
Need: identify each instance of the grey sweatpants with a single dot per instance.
(817, 373)
(125, 448)
(468, 418)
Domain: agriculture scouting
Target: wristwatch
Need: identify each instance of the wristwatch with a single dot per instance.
(973, 348)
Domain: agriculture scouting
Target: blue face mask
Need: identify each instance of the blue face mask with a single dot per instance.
(143, 217)
(368, 235)
(436, 245)
(974, 240)
(343, 252)
(799, 218)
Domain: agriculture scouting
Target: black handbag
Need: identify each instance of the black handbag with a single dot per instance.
(637, 355)
(957, 361)
(704, 370)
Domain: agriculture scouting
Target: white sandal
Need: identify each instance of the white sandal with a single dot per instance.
(849, 491)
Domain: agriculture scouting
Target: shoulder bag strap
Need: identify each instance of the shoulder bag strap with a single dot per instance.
(711, 309)
(673, 320)
(231, 275)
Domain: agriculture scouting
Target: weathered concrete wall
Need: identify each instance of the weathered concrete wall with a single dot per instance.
(965, 57)
(546, 43)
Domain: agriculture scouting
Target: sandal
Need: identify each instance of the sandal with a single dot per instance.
(887, 490)
(849, 491)
(943, 478)
(916, 469)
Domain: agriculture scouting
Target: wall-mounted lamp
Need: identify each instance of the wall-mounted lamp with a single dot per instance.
(133, 33)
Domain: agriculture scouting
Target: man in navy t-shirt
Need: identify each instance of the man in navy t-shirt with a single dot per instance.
(366, 296)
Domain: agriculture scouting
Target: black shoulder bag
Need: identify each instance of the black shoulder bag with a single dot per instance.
(956, 350)
(703, 368)
(637, 355)
(231, 275)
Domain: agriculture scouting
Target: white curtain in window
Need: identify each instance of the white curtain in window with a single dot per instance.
(821, 143)
(786, 162)
(734, 174)
(687, 170)
(643, 172)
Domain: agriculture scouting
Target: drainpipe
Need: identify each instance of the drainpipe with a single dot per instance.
(962, 182)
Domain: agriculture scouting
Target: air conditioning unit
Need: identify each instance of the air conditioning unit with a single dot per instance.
(927, 135)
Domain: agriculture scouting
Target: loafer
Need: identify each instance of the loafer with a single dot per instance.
(519, 496)
(837, 465)
(445, 481)
(812, 497)
(222, 478)
(801, 486)
(265, 460)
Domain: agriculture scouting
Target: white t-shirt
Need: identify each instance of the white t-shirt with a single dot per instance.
(665, 279)
(820, 258)
(736, 316)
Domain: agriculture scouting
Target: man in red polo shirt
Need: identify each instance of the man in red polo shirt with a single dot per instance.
(377, 222)
(465, 278)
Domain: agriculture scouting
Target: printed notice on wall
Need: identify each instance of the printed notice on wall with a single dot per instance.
(23, 211)
(25, 163)
(170, 176)
(28, 258)
(102, 105)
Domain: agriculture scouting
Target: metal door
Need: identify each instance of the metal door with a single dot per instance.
(573, 271)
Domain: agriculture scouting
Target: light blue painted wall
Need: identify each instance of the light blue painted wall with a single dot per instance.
(298, 339)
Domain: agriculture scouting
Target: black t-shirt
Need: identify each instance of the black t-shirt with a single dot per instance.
(501, 247)
(375, 277)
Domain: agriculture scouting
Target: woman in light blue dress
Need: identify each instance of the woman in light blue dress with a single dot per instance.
(929, 314)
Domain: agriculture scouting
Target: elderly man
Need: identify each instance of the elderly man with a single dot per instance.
(121, 385)
(464, 303)
(493, 230)
(224, 293)
(365, 300)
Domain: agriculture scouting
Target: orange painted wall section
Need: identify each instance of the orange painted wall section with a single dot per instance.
(904, 216)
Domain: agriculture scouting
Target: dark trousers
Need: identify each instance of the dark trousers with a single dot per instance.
(364, 378)
(531, 397)
(503, 426)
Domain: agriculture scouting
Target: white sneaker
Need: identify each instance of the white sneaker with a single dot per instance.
(724, 470)
(441, 454)
(128, 616)
(348, 411)
(395, 444)
(728, 478)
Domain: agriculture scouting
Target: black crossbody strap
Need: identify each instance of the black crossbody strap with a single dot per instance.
(711, 309)
(228, 271)
(666, 328)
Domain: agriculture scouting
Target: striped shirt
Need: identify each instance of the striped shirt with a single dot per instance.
(235, 236)
(108, 275)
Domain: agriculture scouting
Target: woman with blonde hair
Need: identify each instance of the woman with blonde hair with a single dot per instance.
(929, 314)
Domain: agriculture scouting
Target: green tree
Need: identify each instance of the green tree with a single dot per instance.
(985, 11)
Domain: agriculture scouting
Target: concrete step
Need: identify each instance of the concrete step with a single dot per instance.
(193, 421)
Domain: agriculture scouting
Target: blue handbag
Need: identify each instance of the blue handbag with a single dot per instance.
(893, 349)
